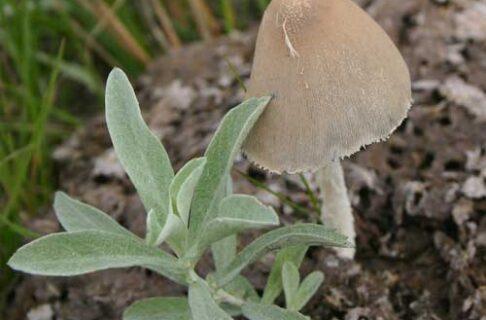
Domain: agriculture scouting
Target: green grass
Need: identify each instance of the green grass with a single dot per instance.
(27, 123)
(54, 56)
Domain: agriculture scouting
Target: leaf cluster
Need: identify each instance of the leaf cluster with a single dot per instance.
(191, 211)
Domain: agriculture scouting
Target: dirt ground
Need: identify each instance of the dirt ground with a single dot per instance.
(419, 199)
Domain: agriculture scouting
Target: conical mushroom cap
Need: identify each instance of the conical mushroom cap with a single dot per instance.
(338, 81)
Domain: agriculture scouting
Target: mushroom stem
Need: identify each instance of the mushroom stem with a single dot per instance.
(336, 209)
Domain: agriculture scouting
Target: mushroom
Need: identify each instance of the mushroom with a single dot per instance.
(339, 84)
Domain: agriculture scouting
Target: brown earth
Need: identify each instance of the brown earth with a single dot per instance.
(419, 199)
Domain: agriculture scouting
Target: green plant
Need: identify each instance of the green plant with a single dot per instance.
(192, 211)
(37, 113)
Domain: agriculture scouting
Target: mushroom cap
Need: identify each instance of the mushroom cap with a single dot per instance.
(338, 81)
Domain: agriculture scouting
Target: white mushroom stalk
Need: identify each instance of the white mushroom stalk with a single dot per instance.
(336, 211)
(339, 84)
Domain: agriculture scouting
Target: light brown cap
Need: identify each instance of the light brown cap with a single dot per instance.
(339, 83)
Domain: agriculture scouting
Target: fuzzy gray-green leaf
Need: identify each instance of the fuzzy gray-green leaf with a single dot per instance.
(153, 228)
(203, 306)
(77, 216)
(291, 282)
(69, 254)
(220, 155)
(183, 185)
(242, 288)
(257, 311)
(295, 235)
(224, 251)
(159, 309)
(175, 233)
(238, 213)
(142, 155)
(273, 287)
(306, 291)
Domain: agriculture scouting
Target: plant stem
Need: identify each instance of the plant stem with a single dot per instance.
(105, 14)
(200, 17)
(220, 295)
(223, 296)
(284, 199)
(236, 74)
(312, 195)
(166, 24)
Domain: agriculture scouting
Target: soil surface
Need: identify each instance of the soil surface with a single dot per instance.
(419, 199)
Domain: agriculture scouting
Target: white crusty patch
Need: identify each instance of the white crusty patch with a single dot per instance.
(293, 53)
(293, 13)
